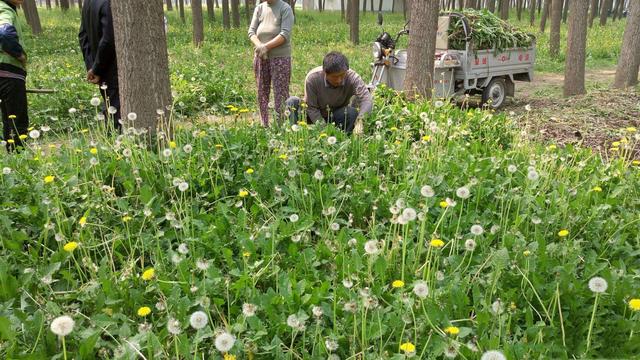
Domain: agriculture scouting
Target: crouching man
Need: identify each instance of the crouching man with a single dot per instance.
(329, 89)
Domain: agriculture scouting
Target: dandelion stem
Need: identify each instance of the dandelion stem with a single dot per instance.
(593, 318)
(64, 348)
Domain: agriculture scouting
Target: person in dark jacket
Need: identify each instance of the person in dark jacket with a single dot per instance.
(99, 51)
(13, 65)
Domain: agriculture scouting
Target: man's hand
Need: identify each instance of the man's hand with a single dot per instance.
(359, 128)
(261, 51)
(93, 78)
(23, 60)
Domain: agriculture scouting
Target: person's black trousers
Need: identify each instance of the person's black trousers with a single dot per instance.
(111, 96)
(343, 118)
(13, 105)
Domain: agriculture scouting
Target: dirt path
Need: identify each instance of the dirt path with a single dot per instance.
(596, 119)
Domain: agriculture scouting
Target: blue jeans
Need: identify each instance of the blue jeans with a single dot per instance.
(343, 118)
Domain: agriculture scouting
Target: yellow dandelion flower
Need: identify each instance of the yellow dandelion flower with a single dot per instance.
(436, 243)
(144, 311)
(243, 111)
(148, 274)
(70, 246)
(394, 128)
(243, 193)
(302, 123)
(23, 137)
(614, 149)
(126, 218)
(397, 284)
(397, 142)
(634, 304)
(596, 189)
(12, 117)
(426, 138)
(173, 145)
(444, 204)
(219, 146)
(408, 347)
(84, 131)
(10, 141)
(631, 129)
(82, 221)
(49, 179)
(202, 133)
(249, 171)
(93, 151)
(615, 144)
(246, 254)
(229, 357)
(513, 306)
(551, 147)
(636, 162)
(283, 156)
(526, 253)
(452, 330)
(323, 135)
(563, 233)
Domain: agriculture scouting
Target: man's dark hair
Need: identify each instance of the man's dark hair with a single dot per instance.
(335, 62)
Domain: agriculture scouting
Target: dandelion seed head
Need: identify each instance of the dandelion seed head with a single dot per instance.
(224, 342)
(198, 320)
(598, 285)
(249, 310)
(62, 326)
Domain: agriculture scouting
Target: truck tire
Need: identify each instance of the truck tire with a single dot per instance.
(495, 93)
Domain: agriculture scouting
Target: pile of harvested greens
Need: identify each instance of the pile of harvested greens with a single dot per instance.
(487, 32)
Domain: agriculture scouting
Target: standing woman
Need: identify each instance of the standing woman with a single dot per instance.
(270, 33)
(13, 65)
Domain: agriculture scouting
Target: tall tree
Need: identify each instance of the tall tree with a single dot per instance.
(143, 64)
(504, 9)
(64, 4)
(565, 10)
(355, 22)
(235, 12)
(519, 9)
(226, 22)
(576, 48)
(545, 15)
(629, 61)
(556, 20)
(532, 13)
(30, 8)
(249, 7)
(342, 8)
(422, 47)
(604, 11)
(48, 2)
(211, 15)
(181, 8)
(198, 26)
(593, 11)
(169, 5)
(491, 5)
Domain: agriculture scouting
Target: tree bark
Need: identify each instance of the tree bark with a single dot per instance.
(532, 13)
(593, 12)
(554, 35)
(380, 5)
(342, 9)
(355, 22)
(226, 21)
(565, 10)
(504, 9)
(519, 9)
(604, 11)
(491, 6)
(249, 10)
(211, 15)
(576, 48)
(181, 6)
(143, 64)
(629, 61)
(48, 4)
(235, 12)
(545, 15)
(64, 4)
(198, 26)
(34, 18)
(422, 47)
(169, 5)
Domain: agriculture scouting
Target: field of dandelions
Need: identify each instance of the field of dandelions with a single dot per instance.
(440, 233)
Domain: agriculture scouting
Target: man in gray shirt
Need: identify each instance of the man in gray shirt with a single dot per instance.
(327, 92)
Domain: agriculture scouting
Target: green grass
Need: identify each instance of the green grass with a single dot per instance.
(287, 219)
(220, 72)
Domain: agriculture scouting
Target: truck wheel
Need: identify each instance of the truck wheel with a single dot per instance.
(495, 93)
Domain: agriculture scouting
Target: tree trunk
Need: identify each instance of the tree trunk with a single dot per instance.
(604, 11)
(364, 6)
(226, 22)
(48, 4)
(198, 26)
(422, 47)
(519, 9)
(504, 9)
(342, 9)
(320, 5)
(64, 4)
(169, 5)
(576, 48)
(616, 8)
(545, 15)
(34, 18)
(249, 6)
(355, 22)
(143, 64)
(380, 5)
(593, 12)
(554, 35)
(491, 6)
(235, 12)
(181, 6)
(629, 61)
(565, 10)
(211, 15)
(532, 13)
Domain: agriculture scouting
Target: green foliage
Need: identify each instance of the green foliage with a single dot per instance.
(487, 31)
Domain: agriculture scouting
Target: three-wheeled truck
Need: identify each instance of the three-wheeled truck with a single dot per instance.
(489, 72)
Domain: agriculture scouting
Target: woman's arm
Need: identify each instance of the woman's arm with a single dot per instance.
(276, 42)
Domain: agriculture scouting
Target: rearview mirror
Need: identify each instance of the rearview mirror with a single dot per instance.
(380, 19)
